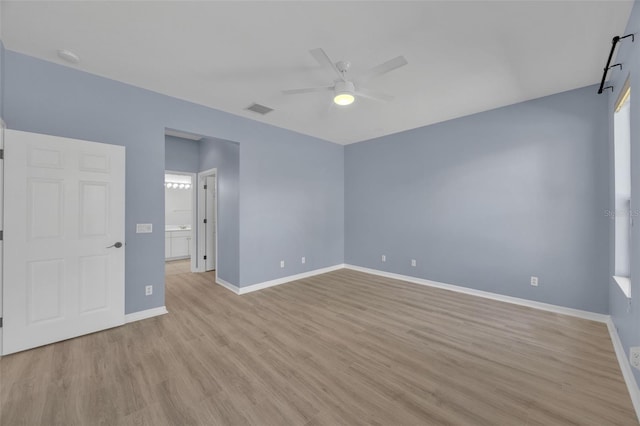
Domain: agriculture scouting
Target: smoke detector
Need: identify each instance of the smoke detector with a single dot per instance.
(68, 56)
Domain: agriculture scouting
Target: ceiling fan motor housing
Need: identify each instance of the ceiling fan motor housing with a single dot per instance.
(343, 66)
(344, 87)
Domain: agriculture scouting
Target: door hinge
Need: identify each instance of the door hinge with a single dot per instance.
(1, 154)
(1, 235)
(205, 258)
(205, 221)
(0, 322)
(205, 187)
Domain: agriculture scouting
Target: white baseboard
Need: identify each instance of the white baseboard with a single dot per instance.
(149, 313)
(488, 295)
(266, 284)
(625, 367)
(228, 285)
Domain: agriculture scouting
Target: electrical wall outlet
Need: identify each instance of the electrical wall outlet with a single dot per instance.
(413, 262)
(534, 281)
(148, 290)
(634, 356)
(282, 263)
(383, 258)
(304, 260)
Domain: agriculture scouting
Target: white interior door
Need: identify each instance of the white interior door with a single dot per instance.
(63, 236)
(210, 225)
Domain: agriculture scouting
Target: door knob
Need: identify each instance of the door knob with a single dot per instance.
(116, 245)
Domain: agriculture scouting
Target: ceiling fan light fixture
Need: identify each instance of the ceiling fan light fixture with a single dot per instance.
(344, 93)
(343, 88)
(344, 99)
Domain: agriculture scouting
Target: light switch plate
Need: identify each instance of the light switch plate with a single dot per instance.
(144, 228)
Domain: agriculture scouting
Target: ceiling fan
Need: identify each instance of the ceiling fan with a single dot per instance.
(344, 87)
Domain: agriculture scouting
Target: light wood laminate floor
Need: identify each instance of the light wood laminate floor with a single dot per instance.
(339, 348)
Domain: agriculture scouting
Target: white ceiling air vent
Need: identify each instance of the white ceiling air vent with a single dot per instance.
(260, 109)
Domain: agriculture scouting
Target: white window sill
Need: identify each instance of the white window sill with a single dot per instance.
(625, 285)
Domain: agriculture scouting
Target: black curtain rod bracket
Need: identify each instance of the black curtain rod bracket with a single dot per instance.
(614, 42)
(633, 37)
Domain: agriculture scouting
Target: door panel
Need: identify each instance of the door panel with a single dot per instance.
(66, 207)
(45, 208)
(94, 209)
(94, 162)
(94, 283)
(44, 290)
(41, 157)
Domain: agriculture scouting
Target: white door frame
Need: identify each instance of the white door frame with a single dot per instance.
(202, 238)
(194, 215)
(2, 127)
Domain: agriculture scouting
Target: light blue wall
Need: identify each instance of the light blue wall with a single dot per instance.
(627, 317)
(303, 207)
(291, 185)
(225, 157)
(488, 200)
(181, 155)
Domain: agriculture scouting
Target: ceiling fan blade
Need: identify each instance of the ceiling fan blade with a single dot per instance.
(385, 67)
(323, 59)
(307, 90)
(376, 96)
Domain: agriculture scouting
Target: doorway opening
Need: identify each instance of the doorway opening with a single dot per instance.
(180, 217)
(215, 225)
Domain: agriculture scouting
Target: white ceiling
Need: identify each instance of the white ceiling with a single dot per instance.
(464, 56)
